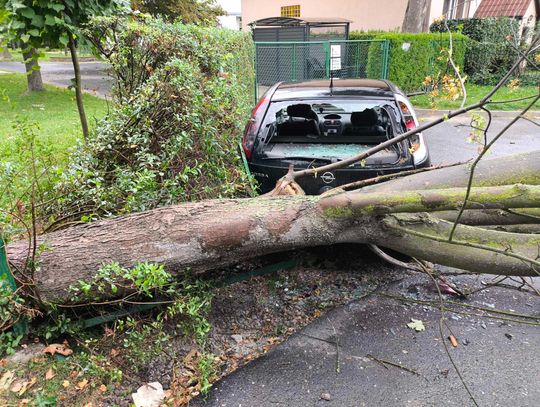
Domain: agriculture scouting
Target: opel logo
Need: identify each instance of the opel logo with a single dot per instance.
(328, 177)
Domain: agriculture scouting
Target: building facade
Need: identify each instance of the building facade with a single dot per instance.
(387, 15)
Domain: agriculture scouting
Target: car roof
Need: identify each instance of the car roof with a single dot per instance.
(340, 87)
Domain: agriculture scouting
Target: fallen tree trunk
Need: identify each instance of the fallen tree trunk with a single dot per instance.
(401, 214)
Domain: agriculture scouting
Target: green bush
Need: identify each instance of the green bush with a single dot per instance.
(491, 49)
(410, 64)
(183, 96)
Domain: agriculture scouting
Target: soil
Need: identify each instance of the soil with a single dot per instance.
(251, 317)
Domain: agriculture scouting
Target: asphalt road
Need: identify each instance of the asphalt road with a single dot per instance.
(94, 76)
(364, 354)
(448, 141)
(497, 358)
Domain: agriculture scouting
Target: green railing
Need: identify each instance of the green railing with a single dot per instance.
(299, 61)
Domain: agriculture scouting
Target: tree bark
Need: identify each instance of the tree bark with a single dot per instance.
(197, 237)
(5, 54)
(415, 16)
(78, 88)
(33, 71)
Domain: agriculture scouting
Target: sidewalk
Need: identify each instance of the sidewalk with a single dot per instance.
(363, 354)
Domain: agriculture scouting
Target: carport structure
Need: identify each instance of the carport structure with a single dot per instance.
(280, 29)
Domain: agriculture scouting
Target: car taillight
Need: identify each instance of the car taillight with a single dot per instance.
(407, 116)
(253, 125)
(409, 123)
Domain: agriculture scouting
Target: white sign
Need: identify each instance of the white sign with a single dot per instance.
(335, 64)
(335, 51)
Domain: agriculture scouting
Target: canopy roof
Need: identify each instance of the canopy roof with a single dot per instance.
(288, 21)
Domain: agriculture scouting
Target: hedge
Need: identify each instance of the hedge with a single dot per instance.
(491, 49)
(409, 66)
(181, 101)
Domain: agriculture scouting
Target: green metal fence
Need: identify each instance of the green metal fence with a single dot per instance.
(298, 61)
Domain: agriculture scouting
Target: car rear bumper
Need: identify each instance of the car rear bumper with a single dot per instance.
(267, 175)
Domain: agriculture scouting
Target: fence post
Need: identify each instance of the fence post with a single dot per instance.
(293, 65)
(255, 87)
(326, 47)
(386, 54)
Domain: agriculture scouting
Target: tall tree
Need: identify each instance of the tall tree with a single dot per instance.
(188, 11)
(415, 15)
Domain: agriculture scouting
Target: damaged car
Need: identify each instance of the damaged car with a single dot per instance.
(314, 123)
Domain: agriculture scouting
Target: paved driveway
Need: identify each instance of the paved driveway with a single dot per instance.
(448, 141)
(94, 76)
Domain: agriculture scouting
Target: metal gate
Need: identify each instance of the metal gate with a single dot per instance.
(298, 61)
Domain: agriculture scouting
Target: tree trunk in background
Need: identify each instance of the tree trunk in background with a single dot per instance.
(415, 15)
(78, 89)
(5, 54)
(402, 214)
(33, 73)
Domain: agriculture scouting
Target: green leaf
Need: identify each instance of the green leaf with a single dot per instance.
(64, 40)
(37, 21)
(27, 12)
(34, 32)
(417, 325)
(25, 37)
(17, 25)
(50, 20)
(15, 5)
(57, 7)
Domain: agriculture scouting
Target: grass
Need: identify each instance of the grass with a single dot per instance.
(476, 92)
(54, 110)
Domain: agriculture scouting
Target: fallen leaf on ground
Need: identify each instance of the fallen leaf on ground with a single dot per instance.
(82, 384)
(103, 388)
(446, 289)
(6, 379)
(60, 348)
(65, 383)
(453, 341)
(149, 395)
(50, 374)
(25, 386)
(17, 386)
(417, 325)
(114, 353)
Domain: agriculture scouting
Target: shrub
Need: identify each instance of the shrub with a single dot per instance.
(491, 49)
(412, 57)
(183, 95)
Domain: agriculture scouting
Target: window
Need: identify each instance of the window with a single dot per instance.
(290, 11)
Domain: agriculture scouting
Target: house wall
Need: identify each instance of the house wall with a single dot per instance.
(530, 16)
(437, 8)
(365, 14)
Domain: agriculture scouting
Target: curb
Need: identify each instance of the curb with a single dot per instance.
(496, 113)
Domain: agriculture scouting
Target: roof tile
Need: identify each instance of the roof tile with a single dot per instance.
(502, 8)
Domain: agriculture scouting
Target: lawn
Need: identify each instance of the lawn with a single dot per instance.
(476, 92)
(53, 109)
